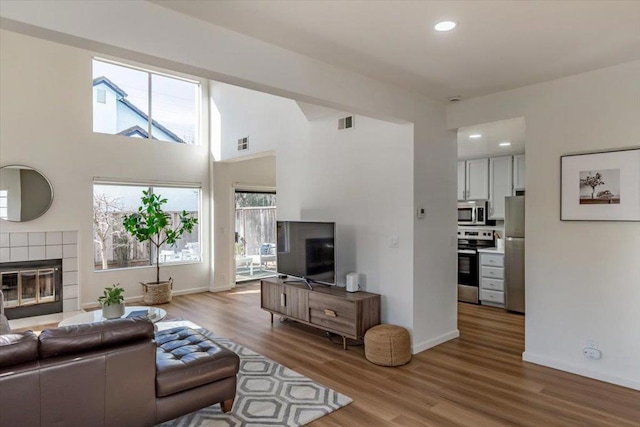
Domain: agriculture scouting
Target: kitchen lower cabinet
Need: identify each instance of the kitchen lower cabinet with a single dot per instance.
(492, 279)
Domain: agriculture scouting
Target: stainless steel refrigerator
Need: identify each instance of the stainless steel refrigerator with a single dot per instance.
(514, 253)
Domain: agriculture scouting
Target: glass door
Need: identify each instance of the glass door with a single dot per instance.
(255, 235)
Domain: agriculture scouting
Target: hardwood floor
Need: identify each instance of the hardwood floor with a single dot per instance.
(478, 379)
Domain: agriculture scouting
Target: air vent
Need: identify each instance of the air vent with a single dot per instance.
(346, 123)
(243, 143)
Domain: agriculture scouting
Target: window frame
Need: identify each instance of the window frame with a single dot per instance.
(150, 185)
(199, 119)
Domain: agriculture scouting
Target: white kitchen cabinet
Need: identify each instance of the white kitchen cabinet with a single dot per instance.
(500, 184)
(462, 183)
(518, 173)
(492, 279)
(477, 179)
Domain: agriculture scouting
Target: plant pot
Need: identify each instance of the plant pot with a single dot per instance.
(113, 311)
(157, 293)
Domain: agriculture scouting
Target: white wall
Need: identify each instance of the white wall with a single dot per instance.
(582, 278)
(264, 118)
(193, 46)
(156, 35)
(252, 173)
(435, 247)
(362, 179)
(46, 123)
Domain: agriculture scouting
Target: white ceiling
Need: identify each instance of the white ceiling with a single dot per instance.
(497, 45)
(493, 134)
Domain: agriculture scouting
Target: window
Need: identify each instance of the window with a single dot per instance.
(101, 96)
(143, 104)
(114, 247)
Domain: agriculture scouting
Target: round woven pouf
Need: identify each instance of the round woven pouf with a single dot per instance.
(387, 345)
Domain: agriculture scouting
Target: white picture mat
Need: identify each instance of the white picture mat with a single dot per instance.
(628, 161)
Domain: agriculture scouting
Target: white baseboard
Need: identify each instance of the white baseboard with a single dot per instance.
(527, 356)
(190, 291)
(220, 289)
(417, 348)
(138, 298)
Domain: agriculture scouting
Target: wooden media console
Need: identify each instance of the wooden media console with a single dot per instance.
(330, 308)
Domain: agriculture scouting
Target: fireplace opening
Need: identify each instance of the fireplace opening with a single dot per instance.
(31, 288)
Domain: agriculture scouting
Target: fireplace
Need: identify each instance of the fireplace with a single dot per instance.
(31, 288)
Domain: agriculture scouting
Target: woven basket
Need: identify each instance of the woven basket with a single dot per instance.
(387, 345)
(157, 293)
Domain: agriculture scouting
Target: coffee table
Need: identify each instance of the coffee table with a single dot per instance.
(155, 314)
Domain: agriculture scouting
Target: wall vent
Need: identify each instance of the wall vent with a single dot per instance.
(243, 143)
(346, 123)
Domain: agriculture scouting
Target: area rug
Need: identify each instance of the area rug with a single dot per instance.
(268, 394)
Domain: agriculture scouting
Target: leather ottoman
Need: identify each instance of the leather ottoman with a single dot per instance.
(188, 360)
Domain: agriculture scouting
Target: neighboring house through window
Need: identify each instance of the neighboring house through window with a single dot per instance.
(143, 104)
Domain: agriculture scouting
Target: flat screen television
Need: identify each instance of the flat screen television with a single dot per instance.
(306, 250)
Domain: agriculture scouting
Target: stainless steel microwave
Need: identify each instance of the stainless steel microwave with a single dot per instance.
(472, 213)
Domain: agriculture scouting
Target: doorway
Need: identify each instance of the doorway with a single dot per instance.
(255, 235)
(491, 188)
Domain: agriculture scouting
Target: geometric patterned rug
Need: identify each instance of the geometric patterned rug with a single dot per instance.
(268, 394)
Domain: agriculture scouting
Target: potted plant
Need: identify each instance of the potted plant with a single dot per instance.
(151, 223)
(112, 302)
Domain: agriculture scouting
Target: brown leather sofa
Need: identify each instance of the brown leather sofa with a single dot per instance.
(105, 374)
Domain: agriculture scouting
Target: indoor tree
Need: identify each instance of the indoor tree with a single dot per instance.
(151, 223)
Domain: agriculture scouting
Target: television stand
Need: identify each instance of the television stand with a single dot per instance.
(304, 280)
(332, 309)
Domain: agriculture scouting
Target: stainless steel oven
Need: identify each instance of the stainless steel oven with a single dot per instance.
(468, 284)
(472, 213)
(469, 241)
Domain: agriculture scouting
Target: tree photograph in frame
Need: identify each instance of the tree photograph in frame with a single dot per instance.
(602, 186)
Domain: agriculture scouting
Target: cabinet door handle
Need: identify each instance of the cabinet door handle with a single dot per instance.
(330, 313)
(283, 299)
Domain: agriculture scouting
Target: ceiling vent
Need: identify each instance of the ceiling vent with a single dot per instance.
(346, 123)
(243, 143)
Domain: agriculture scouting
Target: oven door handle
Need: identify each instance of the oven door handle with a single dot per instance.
(466, 251)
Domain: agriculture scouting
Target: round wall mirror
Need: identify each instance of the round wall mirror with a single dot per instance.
(25, 194)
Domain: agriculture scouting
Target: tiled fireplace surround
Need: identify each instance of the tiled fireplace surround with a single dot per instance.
(15, 247)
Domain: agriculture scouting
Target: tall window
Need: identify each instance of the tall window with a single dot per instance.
(143, 104)
(114, 247)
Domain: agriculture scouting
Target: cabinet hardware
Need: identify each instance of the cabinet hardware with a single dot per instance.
(330, 313)
(283, 299)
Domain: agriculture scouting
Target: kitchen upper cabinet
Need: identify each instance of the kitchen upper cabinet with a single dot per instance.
(477, 179)
(500, 185)
(518, 172)
(462, 184)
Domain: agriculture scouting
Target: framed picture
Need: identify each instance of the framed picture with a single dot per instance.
(601, 186)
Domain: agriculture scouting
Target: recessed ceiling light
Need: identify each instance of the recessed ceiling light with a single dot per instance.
(504, 144)
(445, 26)
(475, 136)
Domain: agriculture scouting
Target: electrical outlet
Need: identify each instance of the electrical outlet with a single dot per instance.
(591, 353)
